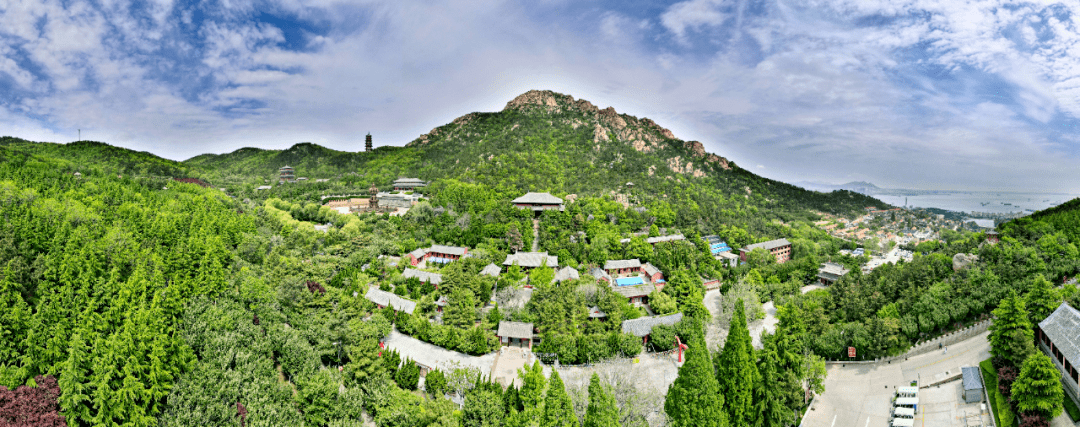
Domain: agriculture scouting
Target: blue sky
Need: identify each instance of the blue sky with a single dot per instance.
(979, 94)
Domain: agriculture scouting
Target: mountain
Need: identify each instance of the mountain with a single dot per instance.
(860, 187)
(546, 141)
(86, 155)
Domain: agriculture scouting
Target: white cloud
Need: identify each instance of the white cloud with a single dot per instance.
(692, 14)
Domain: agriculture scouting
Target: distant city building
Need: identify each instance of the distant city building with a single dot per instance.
(539, 202)
(779, 248)
(408, 184)
(286, 174)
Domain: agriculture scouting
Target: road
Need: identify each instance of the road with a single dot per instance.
(857, 395)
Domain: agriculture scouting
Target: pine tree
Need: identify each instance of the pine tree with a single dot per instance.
(1041, 299)
(1038, 389)
(736, 371)
(602, 410)
(769, 405)
(1011, 336)
(558, 411)
(695, 399)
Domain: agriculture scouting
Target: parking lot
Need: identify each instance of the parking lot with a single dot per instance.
(860, 395)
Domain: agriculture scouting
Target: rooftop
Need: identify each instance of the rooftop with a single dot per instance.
(532, 259)
(538, 199)
(650, 269)
(423, 276)
(566, 273)
(668, 238)
(622, 263)
(1061, 327)
(515, 330)
(387, 299)
(770, 245)
(972, 380)
(642, 326)
(491, 270)
(451, 250)
(635, 291)
(595, 312)
(833, 268)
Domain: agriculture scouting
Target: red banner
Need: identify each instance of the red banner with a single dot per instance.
(851, 352)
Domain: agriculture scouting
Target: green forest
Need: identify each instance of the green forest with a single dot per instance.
(128, 297)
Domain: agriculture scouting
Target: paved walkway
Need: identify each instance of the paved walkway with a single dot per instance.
(434, 356)
(536, 236)
(858, 395)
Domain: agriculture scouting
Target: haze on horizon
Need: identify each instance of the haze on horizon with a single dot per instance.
(921, 94)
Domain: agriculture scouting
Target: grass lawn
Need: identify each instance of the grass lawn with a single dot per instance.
(1002, 412)
(1071, 408)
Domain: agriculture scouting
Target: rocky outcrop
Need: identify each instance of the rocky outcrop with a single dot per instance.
(609, 126)
(961, 261)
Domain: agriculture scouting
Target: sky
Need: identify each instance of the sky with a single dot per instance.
(928, 94)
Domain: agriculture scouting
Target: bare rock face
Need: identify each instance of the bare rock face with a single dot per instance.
(545, 99)
(961, 261)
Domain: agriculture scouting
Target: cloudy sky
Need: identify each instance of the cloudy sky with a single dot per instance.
(972, 94)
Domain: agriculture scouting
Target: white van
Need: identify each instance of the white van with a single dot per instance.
(907, 392)
(903, 422)
(903, 412)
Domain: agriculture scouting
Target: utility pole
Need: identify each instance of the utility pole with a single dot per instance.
(80, 134)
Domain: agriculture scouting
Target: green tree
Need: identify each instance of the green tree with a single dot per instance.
(558, 411)
(662, 303)
(435, 383)
(532, 387)
(1041, 299)
(483, 408)
(1011, 336)
(769, 404)
(602, 411)
(689, 294)
(461, 309)
(1038, 388)
(736, 371)
(694, 399)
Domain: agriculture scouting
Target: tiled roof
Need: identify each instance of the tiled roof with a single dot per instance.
(491, 270)
(387, 299)
(599, 273)
(635, 291)
(642, 326)
(651, 269)
(532, 259)
(515, 330)
(408, 181)
(770, 245)
(419, 253)
(566, 273)
(452, 250)
(595, 312)
(622, 263)
(1061, 327)
(833, 269)
(972, 381)
(539, 199)
(424, 276)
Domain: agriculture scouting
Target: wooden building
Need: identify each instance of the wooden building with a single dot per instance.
(538, 202)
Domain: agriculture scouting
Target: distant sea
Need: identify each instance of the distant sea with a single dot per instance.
(978, 201)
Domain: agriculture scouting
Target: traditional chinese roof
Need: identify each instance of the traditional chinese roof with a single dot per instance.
(1061, 328)
(491, 270)
(538, 199)
(423, 276)
(622, 263)
(387, 299)
(596, 313)
(532, 259)
(418, 253)
(635, 291)
(642, 326)
(650, 269)
(832, 269)
(566, 273)
(515, 330)
(450, 250)
(599, 273)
